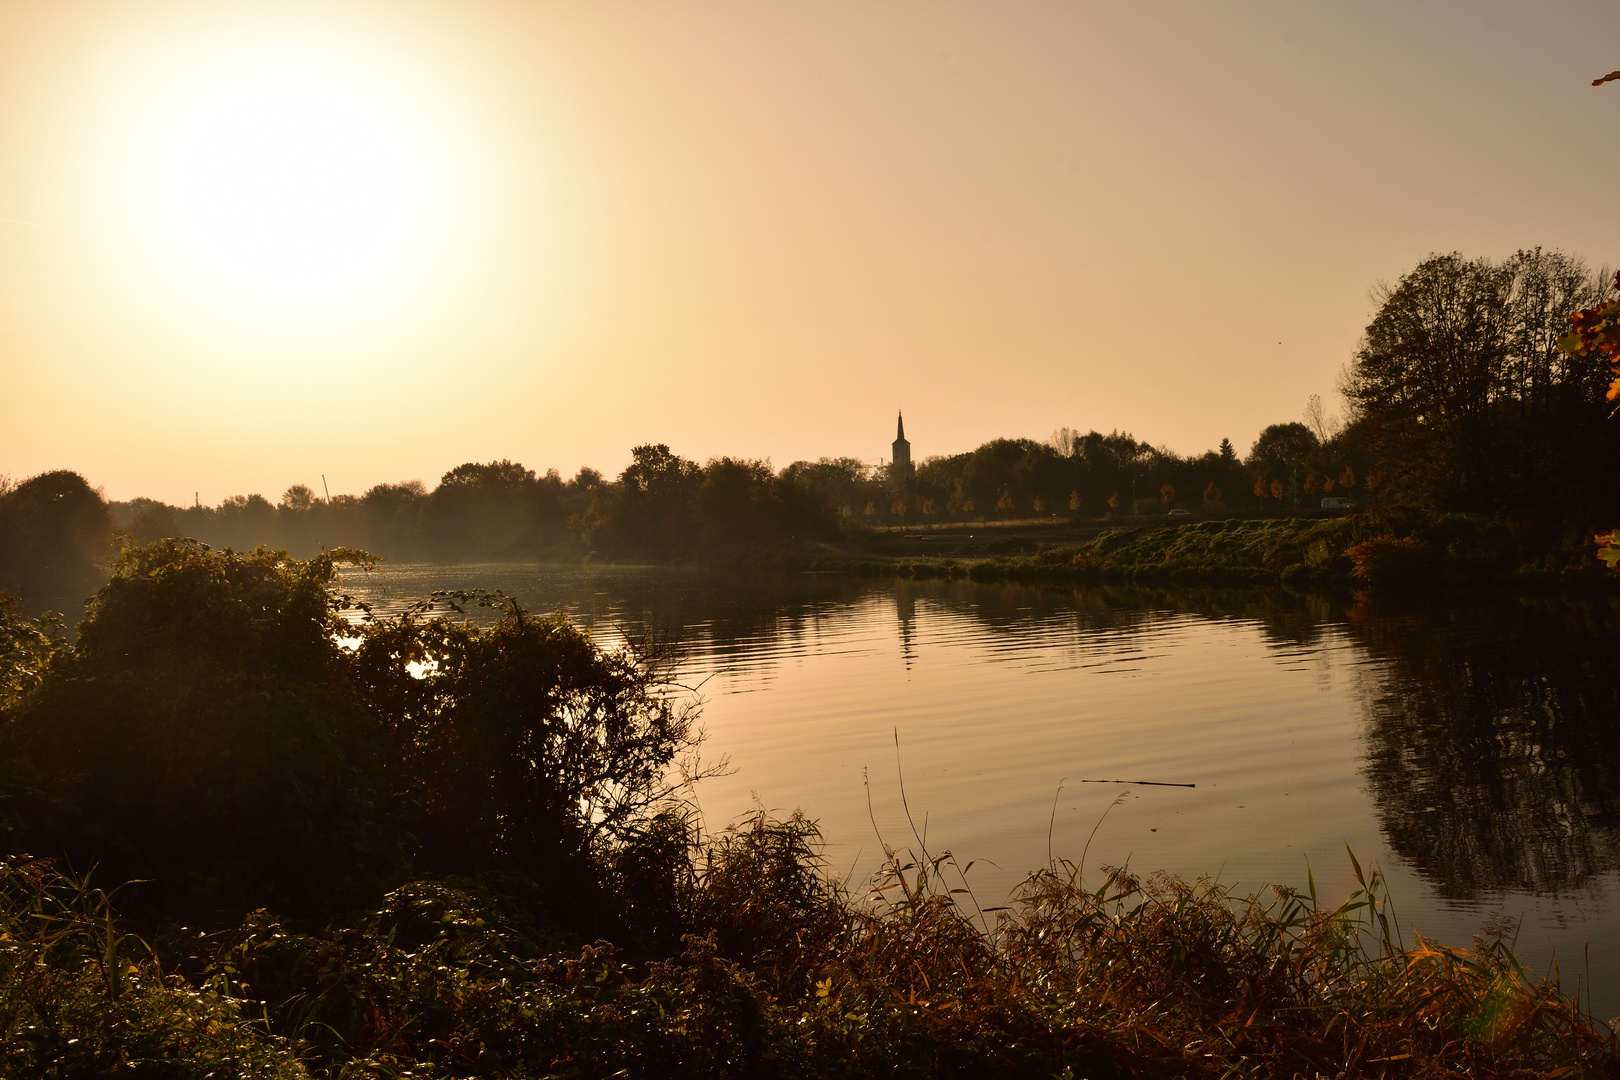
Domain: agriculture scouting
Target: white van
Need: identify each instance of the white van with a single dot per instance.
(1334, 502)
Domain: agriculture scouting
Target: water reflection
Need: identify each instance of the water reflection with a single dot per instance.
(1491, 744)
(1489, 728)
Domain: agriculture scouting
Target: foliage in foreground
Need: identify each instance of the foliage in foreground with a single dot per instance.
(782, 974)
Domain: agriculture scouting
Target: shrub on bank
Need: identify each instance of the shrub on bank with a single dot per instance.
(1387, 560)
(232, 730)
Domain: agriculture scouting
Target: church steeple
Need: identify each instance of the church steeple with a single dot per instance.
(902, 448)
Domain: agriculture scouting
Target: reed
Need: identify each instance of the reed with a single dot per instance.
(785, 971)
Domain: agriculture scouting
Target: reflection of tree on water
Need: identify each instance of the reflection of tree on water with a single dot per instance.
(1490, 735)
(1491, 746)
(1491, 743)
(756, 619)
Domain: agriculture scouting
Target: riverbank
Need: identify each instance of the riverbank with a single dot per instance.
(1376, 547)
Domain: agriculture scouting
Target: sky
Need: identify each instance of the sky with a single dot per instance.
(250, 245)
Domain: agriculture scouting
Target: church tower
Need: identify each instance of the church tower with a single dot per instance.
(902, 450)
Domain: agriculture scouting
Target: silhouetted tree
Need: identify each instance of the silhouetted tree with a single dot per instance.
(495, 510)
(298, 499)
(1282, 455)
(391, 513)
(838, 480)
(244, 522)
(55, 540)
(152, 520)
(1462, 394)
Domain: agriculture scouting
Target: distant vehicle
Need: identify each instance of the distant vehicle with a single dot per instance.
(1179, 512)
(1334, 502)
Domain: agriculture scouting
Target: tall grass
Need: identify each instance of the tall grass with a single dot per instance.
(784, 971)
(1276, 983)
(80, 997)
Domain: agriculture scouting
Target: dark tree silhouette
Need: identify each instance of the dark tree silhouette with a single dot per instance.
(1461, 392)
(55, 540)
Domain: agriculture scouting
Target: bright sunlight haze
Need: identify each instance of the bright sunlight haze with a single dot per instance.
(246, 245)
(283, 187)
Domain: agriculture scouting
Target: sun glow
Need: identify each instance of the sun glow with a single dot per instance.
(291, 188)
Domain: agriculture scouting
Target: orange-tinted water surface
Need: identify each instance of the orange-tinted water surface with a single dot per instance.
(1467, 748)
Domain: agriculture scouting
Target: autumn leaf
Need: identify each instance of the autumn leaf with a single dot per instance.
(1608, 550)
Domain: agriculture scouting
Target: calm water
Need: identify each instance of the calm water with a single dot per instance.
(1471, 752)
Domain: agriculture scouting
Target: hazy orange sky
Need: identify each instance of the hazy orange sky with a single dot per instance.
(248, 244)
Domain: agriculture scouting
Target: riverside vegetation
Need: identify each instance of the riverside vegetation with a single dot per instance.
(252, 831)
(1381, 547)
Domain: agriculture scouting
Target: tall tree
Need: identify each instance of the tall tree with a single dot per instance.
(1460, 390)
(1280, 456)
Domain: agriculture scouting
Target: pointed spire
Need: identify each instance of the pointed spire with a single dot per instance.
(902, 449)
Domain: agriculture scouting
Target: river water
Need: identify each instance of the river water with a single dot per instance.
(1470, 749)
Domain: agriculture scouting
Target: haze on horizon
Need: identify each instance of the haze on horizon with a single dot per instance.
(245, 245)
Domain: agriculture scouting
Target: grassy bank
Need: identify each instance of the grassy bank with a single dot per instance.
(1377, 547)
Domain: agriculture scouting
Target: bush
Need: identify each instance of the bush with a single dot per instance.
(522, 747)
(201, 734)
(211, 733)
(1387, 560)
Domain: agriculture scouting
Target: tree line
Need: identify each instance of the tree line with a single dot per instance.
(663, 505)
(1458, 398)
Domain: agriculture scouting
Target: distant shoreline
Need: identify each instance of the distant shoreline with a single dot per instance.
(1378, 547)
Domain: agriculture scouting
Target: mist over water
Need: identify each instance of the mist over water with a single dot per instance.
(1467, 749)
